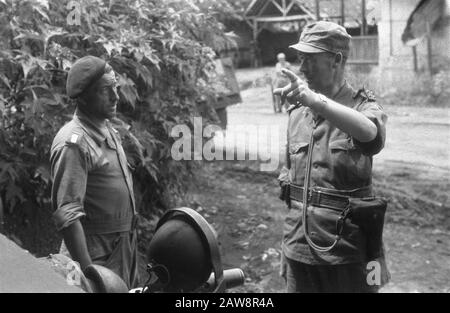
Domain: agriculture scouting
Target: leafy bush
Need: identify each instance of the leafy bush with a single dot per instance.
(163, 53)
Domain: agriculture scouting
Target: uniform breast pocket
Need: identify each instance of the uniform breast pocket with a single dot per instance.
(298, 152)
(349, 162)
(295, 148)
(345, 157)
(344, 145)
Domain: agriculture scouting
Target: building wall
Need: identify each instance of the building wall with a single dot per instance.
(394, 54)
(394, 15)
(440, 41)
(395, 74)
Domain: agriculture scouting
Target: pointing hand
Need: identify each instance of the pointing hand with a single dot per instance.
(297, 91)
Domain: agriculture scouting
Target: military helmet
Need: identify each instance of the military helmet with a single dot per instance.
(184, 251)
(104, 280)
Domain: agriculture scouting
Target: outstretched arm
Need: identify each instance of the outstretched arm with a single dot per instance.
(346, 119)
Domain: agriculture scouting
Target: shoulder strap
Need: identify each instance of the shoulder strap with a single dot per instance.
(366, 94)
(306, 197)
(77, 138)
(74, 137)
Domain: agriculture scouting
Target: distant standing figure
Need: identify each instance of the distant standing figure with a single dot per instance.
(280, 80)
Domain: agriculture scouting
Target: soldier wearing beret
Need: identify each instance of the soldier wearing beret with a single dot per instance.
(333, 132)
(92, 192)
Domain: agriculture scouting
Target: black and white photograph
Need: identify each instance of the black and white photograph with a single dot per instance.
(223, 155)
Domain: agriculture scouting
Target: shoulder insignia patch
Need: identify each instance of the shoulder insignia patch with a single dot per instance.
(370, 95)
(366, 94)
(74, 138)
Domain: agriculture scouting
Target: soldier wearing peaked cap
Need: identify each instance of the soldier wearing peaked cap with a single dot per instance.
(333, 132)
(92, 192)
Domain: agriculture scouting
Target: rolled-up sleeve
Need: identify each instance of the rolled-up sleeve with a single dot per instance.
(69, 172)
(374, 112)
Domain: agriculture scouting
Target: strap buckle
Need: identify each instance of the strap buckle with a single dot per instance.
(340, 223)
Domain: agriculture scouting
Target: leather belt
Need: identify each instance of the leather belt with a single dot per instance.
(319, 198)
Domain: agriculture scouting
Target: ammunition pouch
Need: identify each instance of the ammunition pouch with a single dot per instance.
(365, 212)
(368, 213)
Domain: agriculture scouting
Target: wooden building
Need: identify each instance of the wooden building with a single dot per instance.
(416, 34)
(414, 39)
(272, 25)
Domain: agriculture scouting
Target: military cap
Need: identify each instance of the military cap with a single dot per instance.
(323, 36)
(83, 73)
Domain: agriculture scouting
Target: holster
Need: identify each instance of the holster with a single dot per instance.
(368, 214)
(283, 180)
(285, 193)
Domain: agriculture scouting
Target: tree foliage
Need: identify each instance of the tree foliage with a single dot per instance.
(162, 52)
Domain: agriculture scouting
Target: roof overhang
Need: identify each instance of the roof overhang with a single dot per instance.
(277, 11)
(422, 20)
(272, 19)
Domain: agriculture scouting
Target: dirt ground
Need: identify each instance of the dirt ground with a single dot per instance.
(242, 205)
(413, 172)
(241, 201)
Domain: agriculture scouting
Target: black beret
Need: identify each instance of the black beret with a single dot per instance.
(83, 73)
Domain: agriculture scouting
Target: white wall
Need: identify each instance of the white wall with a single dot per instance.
(394, 16)
(396, 63)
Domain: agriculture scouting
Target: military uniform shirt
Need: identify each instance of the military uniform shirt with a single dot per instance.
(339, 163)
(91, 179)
(92, 183)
